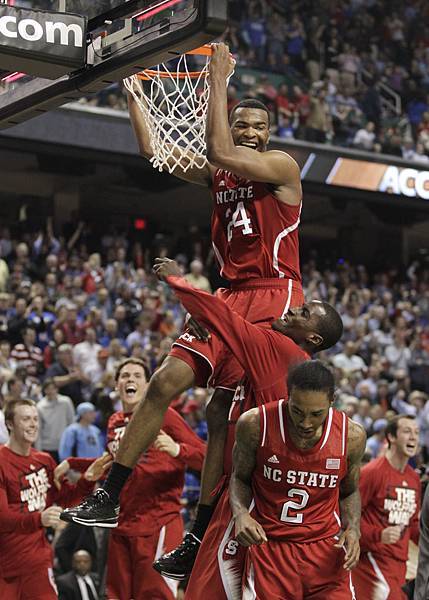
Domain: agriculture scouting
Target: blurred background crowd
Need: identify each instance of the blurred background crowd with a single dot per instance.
(346, 72)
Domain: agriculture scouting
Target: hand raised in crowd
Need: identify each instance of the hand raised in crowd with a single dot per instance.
(51, 516)
(165, 443)
(95, 471)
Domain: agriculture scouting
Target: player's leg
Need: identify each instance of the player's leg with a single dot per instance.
(375, 578)
(147, 583)
(321, 566)
(219, 565)
(180, 561)
(119, 568)
(169, 381)
(271, 572)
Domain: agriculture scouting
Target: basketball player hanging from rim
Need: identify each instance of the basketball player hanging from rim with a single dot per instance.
(257, 206)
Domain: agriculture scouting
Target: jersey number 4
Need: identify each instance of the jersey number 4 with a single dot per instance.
(302, 498)
(239, 219)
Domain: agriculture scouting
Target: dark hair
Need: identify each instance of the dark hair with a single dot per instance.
(329, 327)
(311, 375)
(392, 426)
(250, 103)
(133, 361)
(48, 381)
(9, 411)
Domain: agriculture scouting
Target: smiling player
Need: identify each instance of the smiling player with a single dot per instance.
(390, 492)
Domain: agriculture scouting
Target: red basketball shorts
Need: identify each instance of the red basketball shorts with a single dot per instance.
(218, 571)
(130, 574)
(379, 578)
(260, 302)
(287, 571)
(37, 584)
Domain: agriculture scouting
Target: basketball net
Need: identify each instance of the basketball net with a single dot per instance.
(174, 105)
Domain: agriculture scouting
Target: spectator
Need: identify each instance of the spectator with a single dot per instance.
(318, 122)
(56, 412)
(27, 354)
(27, 498)
(375, 443)
(364, 138)
(196, 278)
(348, 361)
(82, 439)
(66, 376)
(80, 583)
(85, 354)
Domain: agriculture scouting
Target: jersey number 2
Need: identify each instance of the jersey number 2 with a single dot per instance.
(239, 219)
(292, 505)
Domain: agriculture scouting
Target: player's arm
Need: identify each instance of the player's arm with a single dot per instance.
(247, 530)
(274, 167)
(252, 346)
(350, 506)
(177, 439)
(202, 176)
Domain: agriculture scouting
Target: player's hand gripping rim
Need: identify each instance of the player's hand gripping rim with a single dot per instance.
(349, 541)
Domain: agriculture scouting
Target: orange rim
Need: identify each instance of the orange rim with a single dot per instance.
(148, 74)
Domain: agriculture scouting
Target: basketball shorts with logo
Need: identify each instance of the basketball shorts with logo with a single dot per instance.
(37, 584)
(129, 564)
(288, 571)
(259, 302)
(218, 571)
(379, 578)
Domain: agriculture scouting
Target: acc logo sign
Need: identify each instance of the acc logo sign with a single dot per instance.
(408, 182)
(32, 31)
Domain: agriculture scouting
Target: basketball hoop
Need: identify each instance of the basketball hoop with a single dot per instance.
(174, 103)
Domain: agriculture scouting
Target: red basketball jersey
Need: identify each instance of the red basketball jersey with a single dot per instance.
(296, 492)
(253, 234)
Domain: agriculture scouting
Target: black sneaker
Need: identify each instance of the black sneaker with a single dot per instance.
(95, 511)
(178, 563)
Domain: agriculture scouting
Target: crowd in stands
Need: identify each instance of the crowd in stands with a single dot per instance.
(347, 72)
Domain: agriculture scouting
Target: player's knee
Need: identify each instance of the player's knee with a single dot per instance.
(218, 409)
(170, 380)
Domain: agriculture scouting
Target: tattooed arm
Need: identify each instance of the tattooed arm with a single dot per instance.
(350, 506)
(247, 530)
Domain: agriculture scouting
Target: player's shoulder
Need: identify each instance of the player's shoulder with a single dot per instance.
(375, 465)
(41, 457)
(412, 474)
(356, 436)
(249, 421)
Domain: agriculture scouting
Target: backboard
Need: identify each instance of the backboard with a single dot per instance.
(123, 38)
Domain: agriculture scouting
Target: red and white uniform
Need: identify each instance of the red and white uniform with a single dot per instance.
(266, 356)
(296, 500)
(389, 497)
(26, 489)
(255, 240)
(150, 522)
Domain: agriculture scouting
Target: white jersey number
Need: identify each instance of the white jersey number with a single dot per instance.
(292, 505)
(239, 219)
